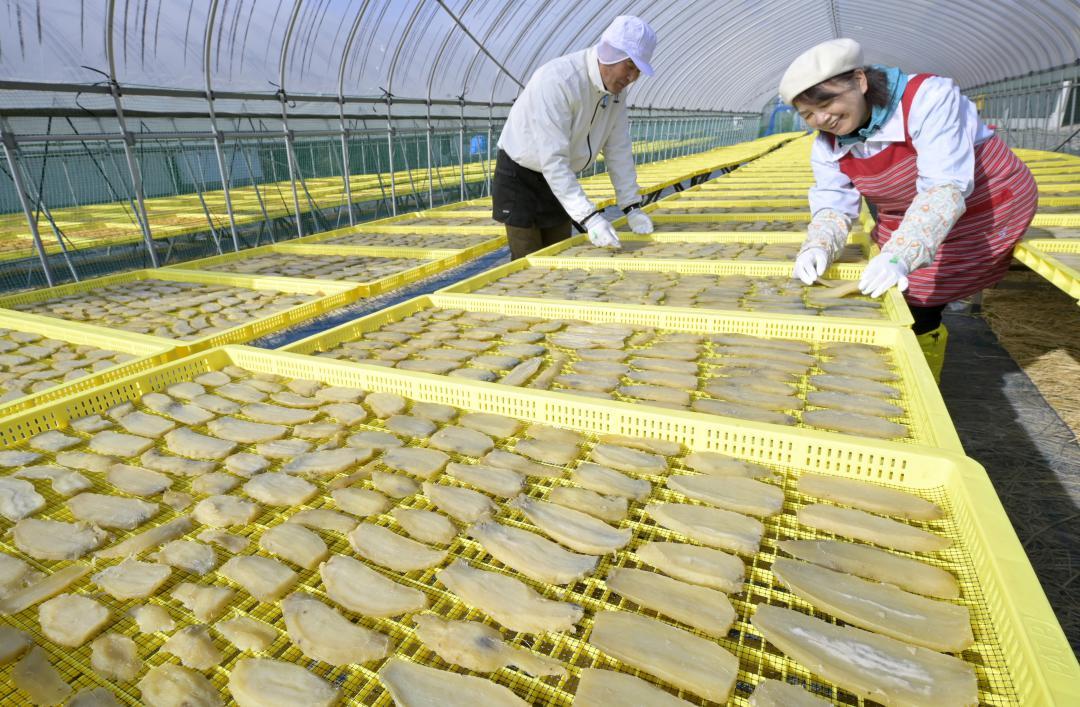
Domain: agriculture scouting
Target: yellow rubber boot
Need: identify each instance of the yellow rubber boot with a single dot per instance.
(932, 344)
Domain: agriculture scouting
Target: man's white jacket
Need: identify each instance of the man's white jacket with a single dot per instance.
(559, 123)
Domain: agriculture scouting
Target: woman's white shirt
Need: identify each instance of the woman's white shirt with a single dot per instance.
(945, 128)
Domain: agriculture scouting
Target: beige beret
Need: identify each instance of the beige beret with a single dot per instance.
(819, 63)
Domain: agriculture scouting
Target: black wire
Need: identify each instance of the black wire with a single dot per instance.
(1066, 141)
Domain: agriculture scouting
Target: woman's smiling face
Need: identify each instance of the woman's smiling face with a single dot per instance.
(843, 111)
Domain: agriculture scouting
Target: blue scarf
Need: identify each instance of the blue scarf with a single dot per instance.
(879, 114)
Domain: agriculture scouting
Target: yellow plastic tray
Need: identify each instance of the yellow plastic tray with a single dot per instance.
(1046, 179)
(1051, 232)
(1060, 201)
(1063, 188)
(434, 261)
(781, 172)
(661, 210)
(894, 306)
(1068, 220)
(148, 350)
(745, 192)
(471, 205)
(496, 235)
(427, 216)
(757, 182)
(1021, 656)
(452, 212)
(733, 194)
(330, 296)
(685, 200)
(1039, 255)
(926, 416)
(858, 238)
(1046, 170)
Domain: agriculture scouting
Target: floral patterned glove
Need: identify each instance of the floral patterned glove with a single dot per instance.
(828, 230)
(927, 221)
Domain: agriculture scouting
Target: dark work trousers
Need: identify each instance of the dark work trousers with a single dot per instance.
(529, 240)
(522, 200)
(926, 318)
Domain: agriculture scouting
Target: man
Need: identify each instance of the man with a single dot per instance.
(571, 110)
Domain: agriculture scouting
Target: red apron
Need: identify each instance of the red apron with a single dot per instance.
(978, 250)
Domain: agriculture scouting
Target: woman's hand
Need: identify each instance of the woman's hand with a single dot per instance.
(883, 271)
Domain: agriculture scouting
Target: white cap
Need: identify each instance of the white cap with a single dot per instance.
(820, 63)
(628, 37)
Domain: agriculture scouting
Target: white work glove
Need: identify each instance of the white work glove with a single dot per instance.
(639, 222)
(883, 271)
(601, 232)
(810, 264)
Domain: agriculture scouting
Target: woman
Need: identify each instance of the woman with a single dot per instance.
(951, 199)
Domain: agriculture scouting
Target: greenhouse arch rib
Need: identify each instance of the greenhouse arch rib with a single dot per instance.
(208, 37)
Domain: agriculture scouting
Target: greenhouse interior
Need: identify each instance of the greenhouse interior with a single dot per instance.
(404, 352)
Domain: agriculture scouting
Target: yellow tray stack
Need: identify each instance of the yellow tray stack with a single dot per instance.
(328, 295)
(1057, 260)
(1020, 656)
(429, 262)
(926, 415)
(171, 216)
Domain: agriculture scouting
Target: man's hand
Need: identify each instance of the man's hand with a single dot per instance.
(639, 222)
(883, 271)
(601, 232)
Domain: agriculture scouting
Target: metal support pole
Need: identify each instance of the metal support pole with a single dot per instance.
(258, 198)
(648, 136)
(289, 157)
(129, 141)
(136, 178)
(346, 174)
(487, 159)
(39, 204)
(31, 222)
(461, 146)
(202, 200)
(390, 152)
(290, 163)
(219, 139)
(428, 133)
(409, 174)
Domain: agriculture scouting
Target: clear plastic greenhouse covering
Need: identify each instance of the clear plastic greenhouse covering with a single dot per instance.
(712, 54)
